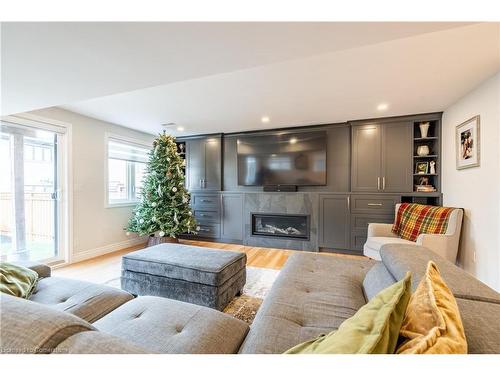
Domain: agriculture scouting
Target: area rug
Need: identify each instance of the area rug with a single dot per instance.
(259, 282)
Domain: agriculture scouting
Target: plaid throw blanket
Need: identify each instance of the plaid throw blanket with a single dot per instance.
(413, 219)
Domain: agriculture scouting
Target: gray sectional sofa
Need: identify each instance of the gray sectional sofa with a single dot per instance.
(313, 294)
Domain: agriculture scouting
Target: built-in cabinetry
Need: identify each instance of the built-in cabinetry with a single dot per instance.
(207, 211)
(334, 219)
(204, 163)
(371, 166)
(232, 216)
(372, 208)
(382, 157)
(219, 215)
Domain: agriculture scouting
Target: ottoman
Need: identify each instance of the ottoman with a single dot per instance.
(193, 274)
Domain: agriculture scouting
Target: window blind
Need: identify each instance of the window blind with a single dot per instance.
(123, 150)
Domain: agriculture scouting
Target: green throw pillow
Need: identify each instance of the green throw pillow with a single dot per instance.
(16, 280)
(374, 329)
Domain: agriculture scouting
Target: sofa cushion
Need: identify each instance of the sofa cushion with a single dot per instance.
(374, 329)
(312, 295)
(400, 258)
(86, 300)
(168, 326)
(376, 280)
(94, 342)
(375, 243)
(29, 327)
(481, 324)
(185, 262)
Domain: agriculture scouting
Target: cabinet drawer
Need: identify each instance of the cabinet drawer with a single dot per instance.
(209, 230)
(211, 216)
(208, 201)
(380, 204)
(360, 222)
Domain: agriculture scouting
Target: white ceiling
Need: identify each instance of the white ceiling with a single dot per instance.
(223, 77)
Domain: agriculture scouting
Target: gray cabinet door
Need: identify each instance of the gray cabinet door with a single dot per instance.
(366, 157)
(397, 157)
(213, 155)
(195, 165)
(334, 221)
(232, 216)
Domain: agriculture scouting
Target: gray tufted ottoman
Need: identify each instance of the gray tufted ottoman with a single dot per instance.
(191, 274)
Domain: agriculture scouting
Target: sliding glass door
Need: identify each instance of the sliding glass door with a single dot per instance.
(31, 216)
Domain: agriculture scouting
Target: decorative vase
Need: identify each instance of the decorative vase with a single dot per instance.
(423, 150)
(424, 129)
(156, 240)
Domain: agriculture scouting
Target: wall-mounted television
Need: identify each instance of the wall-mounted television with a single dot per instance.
(282, 159)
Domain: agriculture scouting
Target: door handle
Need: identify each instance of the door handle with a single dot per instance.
(383, 183)
(378, 183)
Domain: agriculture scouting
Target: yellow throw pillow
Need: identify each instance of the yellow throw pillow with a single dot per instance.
(373, 329)
(432, 323)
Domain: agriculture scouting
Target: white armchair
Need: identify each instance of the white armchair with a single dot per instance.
(445, 245)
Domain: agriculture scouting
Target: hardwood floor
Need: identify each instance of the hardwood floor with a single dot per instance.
(107, 267)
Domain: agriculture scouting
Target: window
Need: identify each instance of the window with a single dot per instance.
(126, 168)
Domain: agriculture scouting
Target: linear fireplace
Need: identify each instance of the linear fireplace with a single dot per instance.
(281, 225)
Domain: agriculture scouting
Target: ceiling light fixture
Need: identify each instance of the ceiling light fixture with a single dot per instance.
(265, 119)
(293, 140)
(382, 106)
(180, 128)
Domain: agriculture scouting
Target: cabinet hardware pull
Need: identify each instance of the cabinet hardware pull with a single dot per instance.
(378, 183)
(383, 183)
(222, 206)
(348, 203)
(206, 200)
(374, 204)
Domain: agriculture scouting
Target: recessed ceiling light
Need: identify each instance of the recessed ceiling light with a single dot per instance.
(180, 128)
(293, 140)
(382, 106)
(265, 119)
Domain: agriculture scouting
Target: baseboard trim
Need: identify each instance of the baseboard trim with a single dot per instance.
(92, 253)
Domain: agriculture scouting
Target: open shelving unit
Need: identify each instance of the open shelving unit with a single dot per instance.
(433, 142)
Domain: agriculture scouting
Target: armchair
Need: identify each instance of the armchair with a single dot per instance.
(445, 244)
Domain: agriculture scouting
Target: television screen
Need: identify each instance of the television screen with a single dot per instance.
(282, 159)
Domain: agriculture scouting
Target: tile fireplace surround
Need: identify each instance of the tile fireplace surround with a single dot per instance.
(271, 204)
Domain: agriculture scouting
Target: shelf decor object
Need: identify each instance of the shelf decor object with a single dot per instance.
(423, 150)
(424, 129)
(422, 167)
(468, 144)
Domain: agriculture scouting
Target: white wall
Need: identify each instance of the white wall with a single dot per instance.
(477, 190)
(96, 229)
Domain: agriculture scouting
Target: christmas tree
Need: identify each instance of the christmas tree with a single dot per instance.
(163, 209)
